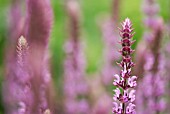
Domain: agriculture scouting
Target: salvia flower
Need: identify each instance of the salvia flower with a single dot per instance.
(125, 93)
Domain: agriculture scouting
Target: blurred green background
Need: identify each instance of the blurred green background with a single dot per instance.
(92, 10)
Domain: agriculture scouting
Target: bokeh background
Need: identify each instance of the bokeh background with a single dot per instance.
(92, 14)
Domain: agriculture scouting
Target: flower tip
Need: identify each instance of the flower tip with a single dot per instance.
(127, 19)
(22, 41)
(126, 24)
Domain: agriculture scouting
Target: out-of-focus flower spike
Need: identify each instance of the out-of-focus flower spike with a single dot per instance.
(38, 22)
(152, 58)
(39, 18)
(74, 65)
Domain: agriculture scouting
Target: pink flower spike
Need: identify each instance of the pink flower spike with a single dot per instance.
(125, 81)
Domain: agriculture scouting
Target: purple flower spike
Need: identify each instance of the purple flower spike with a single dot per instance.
(125, 81)
(39, 18)
(38, 22)
(151, 88)
(74, 66)
(18, 95)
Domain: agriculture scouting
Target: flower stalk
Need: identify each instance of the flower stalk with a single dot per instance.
(125, 83)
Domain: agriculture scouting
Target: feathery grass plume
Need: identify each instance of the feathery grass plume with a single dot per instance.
(75, 86)
(152, 87)
(110, 43)
(38, 25)
(108, 28)
(124, 93)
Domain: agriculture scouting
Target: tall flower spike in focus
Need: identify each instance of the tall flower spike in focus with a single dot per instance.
(125, 83)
